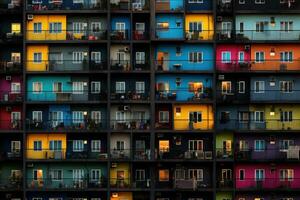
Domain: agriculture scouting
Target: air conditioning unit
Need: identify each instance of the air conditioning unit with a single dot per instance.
(219, 18)
(126, 107)
(247, 47)
(8, 109)
(8, 78)
(30, 17)
(221, 77)
(126, 49)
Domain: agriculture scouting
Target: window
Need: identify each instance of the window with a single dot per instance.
(258, 116)
(140, 27)
(196, 174)
(78, 146)
(120, 145)
(37, 1)
(95, 175)
(226, 57)
(79, 27)
(284, 144)
(140, 57)
(241, 57)
(120, 87)
(56, 118)
(37, 27)
(260, 2)
(120, 117)
(226, 28)
(195, 145)
(57, 87)
(37, 145)
(78, 1)
(15, 88)
(37, 116)
(241, 87)
(96, 27)
(77, 117)
(195, 117)
(140, 87)
(241, 174)
(164, 146)
(195, 57)
(286, 174)
(163, 175)
(196, 87)
(195, 1)
(243, 145)
(140, 175)
(259, 174)
(77, 57)
(95, 87)
(195, 27)
(286, 26)
(37, 58)
(15, 57)
(286, 86)
(77, 87)
(55, 145)
(37, 87)
(78, 174)
(15, 146)
(241, 27)
(96, 56)
(56, 174)
(163, 117)
(260, 27)
(259, 145)
(226, 87)
(96, 146)
(225, 117)
(259, 57)
(55, 27)
(96, 117)
(286, 56)
(162, 26)
(15, 28)
(243, 117)
(259, 86)
(286, 116)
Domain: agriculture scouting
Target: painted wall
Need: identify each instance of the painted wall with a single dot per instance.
(69, 5)
(223, 136)
(181, 120)
(130, 82)
(175, 30)
(182, 91)
(271, 32)
(171, 56)
(45, 34)
(207, 21)
(44, 50)
(205, 5)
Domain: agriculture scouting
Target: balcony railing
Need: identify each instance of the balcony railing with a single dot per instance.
(87, 5)
(193, 96)
(263, 125)
(258, 65)
(11, 125)
(120, 65)
(293, 153)
(120, 154)
(225, 183)
(224, 7)
(130, 124)
(69, 35)
(199, 35)
(65, 96)
(184, 184)
(166, 5)
(11, 97)
(187, 155)
(268, 183)
(186, 124)
(119, 34)
(120, 183)
(184, 65)
(140, 35)
(224, 153)
(11, 183)
(15, 5)
(10, 67)
(65, 125)
(133, 5)
(69, 65)
(67, 183)
(130, 95)
(9, 155)
(12, 37)
(142, 154)
(247, 35)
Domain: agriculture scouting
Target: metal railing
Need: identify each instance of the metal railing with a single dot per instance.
(10, 66)
(199, 35)
(224, 153)
(11, 97)
(166, 5)
(11, 125)
(130, 95)
(183, 65)
(185, 155)
(119, 34)
(9, 155)
(129, 5)
(194, 96)
(268, 183)
(130, 124)
(120, 65)
(87, 5)
(11, 183)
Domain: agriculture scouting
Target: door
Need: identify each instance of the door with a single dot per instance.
(226, 29)
(227, 147)
(78, 177)
(226, 174)
(57, 118)
(163, 61)
(121, 28)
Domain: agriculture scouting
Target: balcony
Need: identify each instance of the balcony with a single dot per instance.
(187, 155)
(11, 97)
(120, 65)
(119, 35)
(123, 154)
(142, 154)
(197, 96)
(169, 33)
(281, 96)
(164, 65)
(11, 183)
(268, 184)
(169, 5)
(267, 35)
(65, 125)
(202, 35)
(140, 35)
(189, 184)
(67, 35)
(130, 96)
(132, 124)
(9, 155)
(120, 183)
(225, 183)
(87, 5)
(10, 67)
(224, 35)
(190, 125)
(67, 183)
(224, 153)
(70, 65)
(11, 125)
(12, 37)
(14, 6)
(224, 8)
(120, 5)
(290, 154)
(65, 96)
